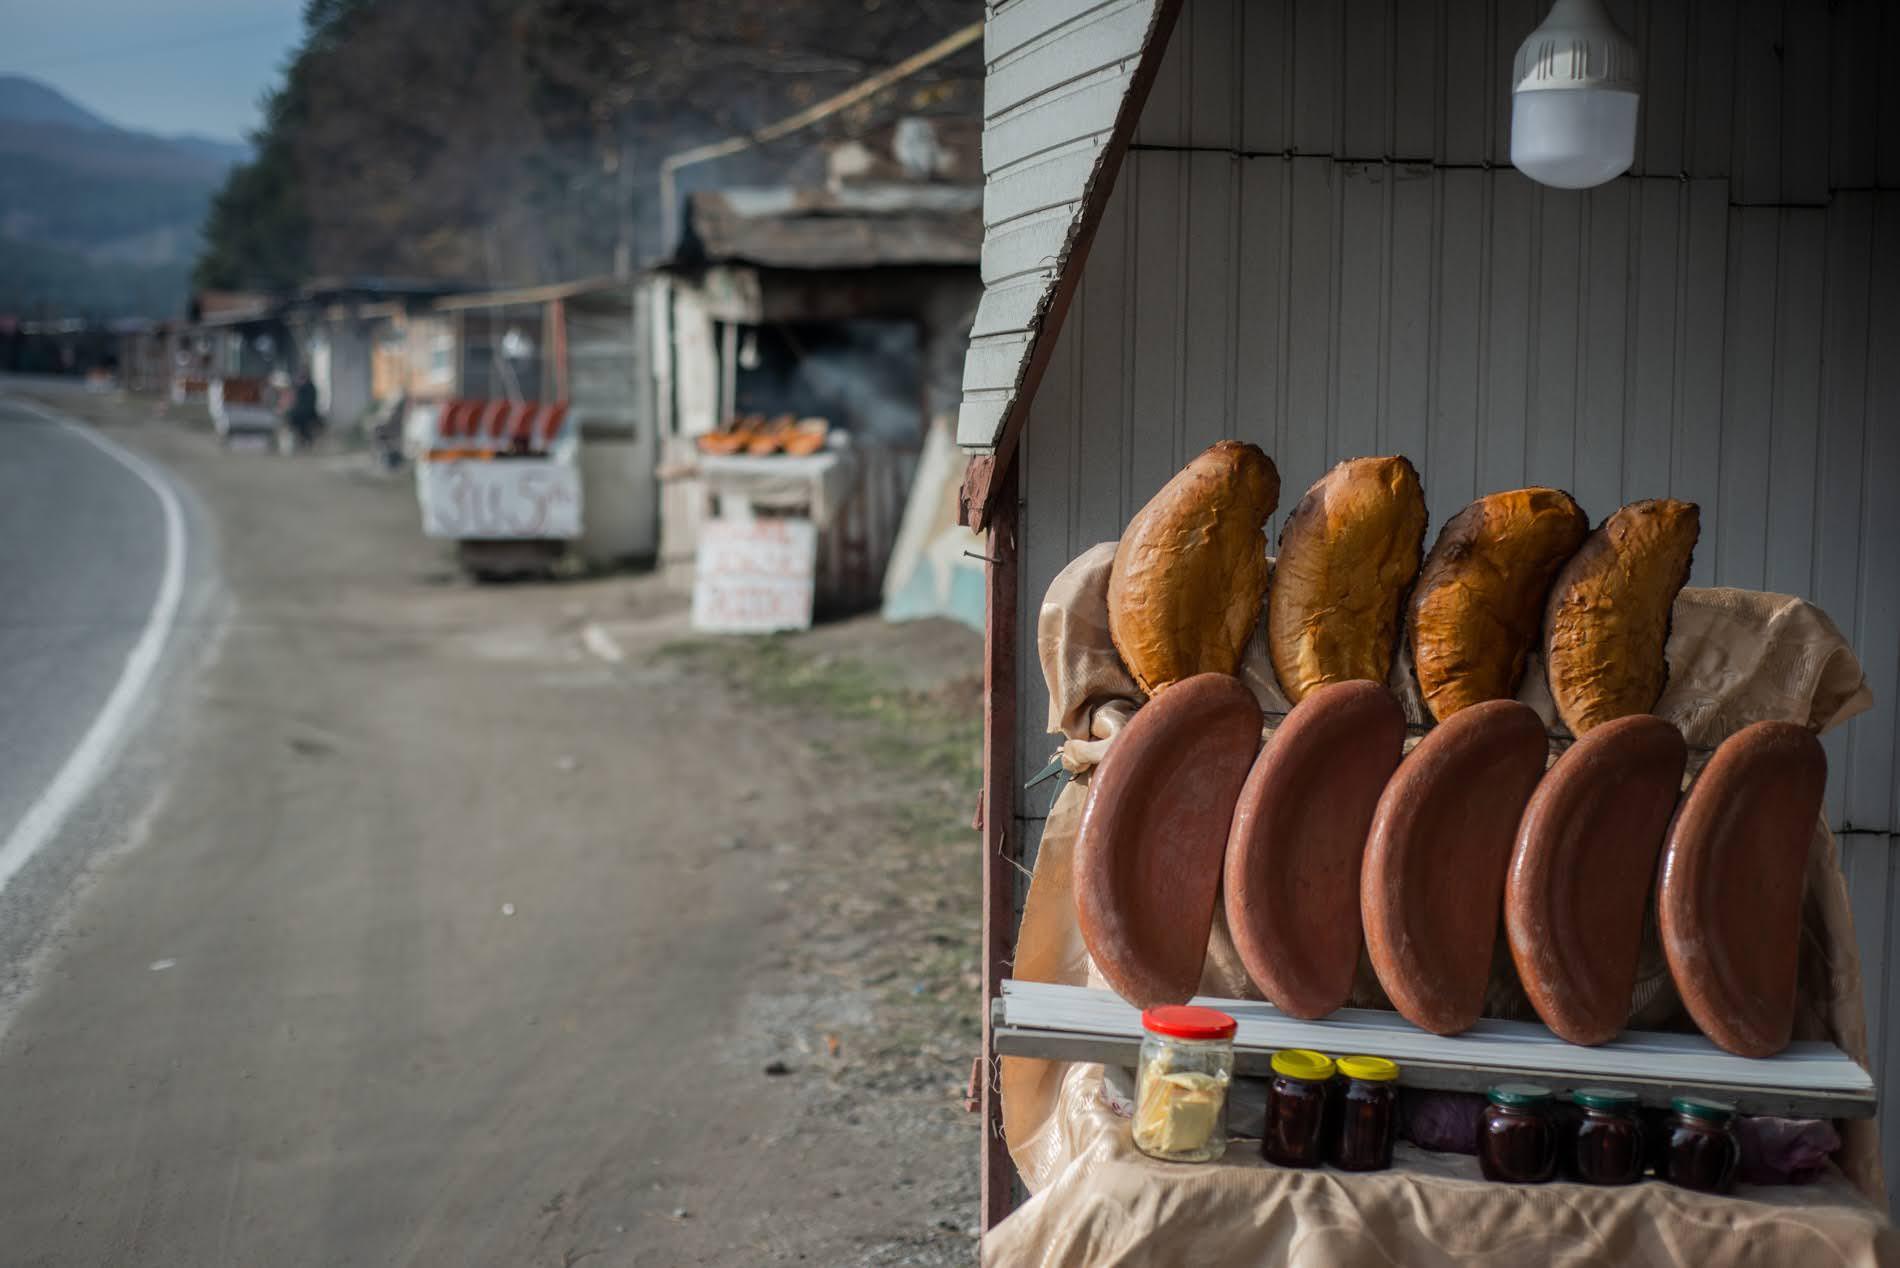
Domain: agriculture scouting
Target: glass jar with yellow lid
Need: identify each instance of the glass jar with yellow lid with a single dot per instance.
(1365, 1116)
(1296, 1108)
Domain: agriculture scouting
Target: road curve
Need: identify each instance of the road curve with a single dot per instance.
(78, 537)
(91, 566)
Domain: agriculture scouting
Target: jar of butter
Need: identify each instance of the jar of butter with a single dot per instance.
(1187, 1061)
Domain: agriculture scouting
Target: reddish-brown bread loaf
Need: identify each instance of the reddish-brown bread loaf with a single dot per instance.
(1347, 555)
(1583, 869)
(1184, 590)
(1728, 902)
(1299, 835)
(1433, 885)
(1478, 607)
(1608, 615)
(1148, 850)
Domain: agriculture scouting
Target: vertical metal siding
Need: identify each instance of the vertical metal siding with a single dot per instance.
(1721, 329)
(1780, 98)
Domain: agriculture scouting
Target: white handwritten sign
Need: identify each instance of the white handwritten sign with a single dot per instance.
(508, 499)
(754, 576)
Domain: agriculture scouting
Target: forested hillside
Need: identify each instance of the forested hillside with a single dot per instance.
(515, 141)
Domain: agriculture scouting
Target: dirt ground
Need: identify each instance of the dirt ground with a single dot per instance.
(504, 924)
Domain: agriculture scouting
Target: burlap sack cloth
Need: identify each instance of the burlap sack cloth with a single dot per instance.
(1735, 657)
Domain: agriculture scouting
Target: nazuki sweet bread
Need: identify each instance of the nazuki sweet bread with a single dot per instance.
(1432, 888)
(1148, 850)
(1728, 899)
(1189, 573)
(1607, 618)
(1583, 869)
(1348, 554)
(1291, 882)
(1478, 607)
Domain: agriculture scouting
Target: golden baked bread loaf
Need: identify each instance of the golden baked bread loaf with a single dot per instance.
(1184, 590)
(1347, 554)
(1608, 614)
(1478, 607)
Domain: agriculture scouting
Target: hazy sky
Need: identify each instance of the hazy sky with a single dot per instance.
(156, 65)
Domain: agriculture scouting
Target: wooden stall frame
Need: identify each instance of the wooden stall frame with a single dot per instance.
(997, 824)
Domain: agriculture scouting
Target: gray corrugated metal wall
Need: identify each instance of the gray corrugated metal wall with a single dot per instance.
(1333, 272)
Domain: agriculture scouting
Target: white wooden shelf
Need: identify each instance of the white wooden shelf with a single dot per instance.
(1806, 1080)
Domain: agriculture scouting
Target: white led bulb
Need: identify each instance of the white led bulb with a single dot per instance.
(1573, 98)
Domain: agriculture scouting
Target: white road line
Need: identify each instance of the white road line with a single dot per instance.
(89, 758)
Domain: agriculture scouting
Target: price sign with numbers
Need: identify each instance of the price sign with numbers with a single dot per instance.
(507, 499)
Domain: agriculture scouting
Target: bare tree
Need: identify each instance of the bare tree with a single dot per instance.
(508, 142)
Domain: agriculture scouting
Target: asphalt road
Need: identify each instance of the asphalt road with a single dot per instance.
(82, 548)
(102, 566)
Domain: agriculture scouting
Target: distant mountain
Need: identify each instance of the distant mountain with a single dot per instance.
(225, 152)
(109, 217)
(24, 100)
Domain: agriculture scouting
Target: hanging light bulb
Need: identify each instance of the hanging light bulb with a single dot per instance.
(1573, 98)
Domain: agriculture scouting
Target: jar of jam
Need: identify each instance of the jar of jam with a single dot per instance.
(1296, 1108)
(1517, 1143)
(1365, 1114)
(1187, 1061)
(1607, 1145)
(1702, 1152)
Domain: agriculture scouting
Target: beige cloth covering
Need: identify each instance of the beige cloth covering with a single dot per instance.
(1110, 1207)
(1735, 657)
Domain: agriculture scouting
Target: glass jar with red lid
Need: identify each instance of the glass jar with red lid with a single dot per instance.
(1187, 1061)
(1294, 1134)
(1702, 1151)
(1517, 1142)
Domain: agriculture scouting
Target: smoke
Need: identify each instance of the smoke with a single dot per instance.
(862, 375)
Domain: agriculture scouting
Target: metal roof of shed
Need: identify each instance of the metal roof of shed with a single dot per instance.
(620, 287)
(855, 227)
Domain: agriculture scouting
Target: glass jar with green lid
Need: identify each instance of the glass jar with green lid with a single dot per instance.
(1702, 1151)
(1296, 1108)
(1365, 1114)
(1517, 1142)
(1607, 1146)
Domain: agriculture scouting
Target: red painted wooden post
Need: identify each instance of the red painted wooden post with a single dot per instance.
(999, 820)
(557, 347)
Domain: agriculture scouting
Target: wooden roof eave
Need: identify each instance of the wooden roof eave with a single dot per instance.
(984, 478)
(604, 284)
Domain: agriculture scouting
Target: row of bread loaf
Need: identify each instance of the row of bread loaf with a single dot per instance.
(1509, 571)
